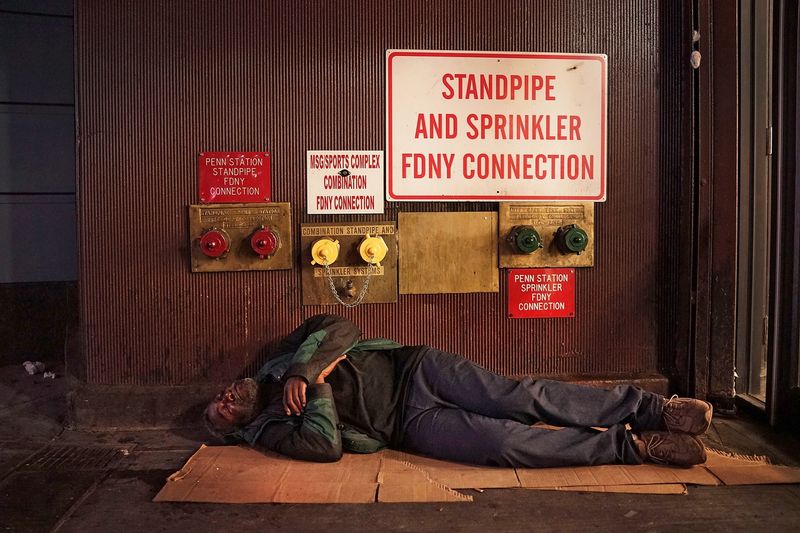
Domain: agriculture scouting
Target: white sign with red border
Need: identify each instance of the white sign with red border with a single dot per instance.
(344, 181)
(489, 126)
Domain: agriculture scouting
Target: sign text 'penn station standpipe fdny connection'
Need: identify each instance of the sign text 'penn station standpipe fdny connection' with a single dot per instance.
(234, 177)
(495, 126)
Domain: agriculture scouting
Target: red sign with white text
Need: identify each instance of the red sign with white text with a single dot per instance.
(234, 177)
(541, 292)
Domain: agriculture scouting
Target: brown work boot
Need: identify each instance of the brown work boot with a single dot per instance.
(663, 447)
(687, 415)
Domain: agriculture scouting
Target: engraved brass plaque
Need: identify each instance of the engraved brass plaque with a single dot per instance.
(349, 273)
(238, 223)
(545, 219)
(449, 253)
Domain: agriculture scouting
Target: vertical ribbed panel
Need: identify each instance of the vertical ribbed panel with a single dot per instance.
(158, 82)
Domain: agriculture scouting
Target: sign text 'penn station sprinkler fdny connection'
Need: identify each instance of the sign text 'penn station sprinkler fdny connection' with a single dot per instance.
(495, 126)
(541, 292)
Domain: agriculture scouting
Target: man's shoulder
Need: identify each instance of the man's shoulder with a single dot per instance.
(275, 367)
(377, 344)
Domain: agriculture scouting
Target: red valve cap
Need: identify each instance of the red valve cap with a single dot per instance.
(214, 243)
(264, 242)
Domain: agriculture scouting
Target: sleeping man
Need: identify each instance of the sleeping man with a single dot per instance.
(325, 391)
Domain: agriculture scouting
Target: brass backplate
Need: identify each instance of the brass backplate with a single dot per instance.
(239, 221)
(350, 272)
(450, 252)
(546, 219)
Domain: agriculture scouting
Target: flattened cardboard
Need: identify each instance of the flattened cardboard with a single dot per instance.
(404, 482)
(237, 474)
(300, 491)
(661, 488)
(734, 469)
(351, 480)
(231, 474)
(758, 474)
(613, 475)
(721, 458)
(461, 476)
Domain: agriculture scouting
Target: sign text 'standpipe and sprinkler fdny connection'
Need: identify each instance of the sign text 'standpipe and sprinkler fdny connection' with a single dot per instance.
(495, 125)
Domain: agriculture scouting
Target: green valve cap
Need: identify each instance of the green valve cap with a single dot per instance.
(524, 239)
(571, 239)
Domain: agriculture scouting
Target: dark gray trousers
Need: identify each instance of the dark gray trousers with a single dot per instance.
(458, 411)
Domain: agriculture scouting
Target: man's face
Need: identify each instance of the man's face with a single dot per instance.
(233, 406)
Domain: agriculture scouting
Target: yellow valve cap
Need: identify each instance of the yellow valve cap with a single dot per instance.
(324, 251)
(373, 249)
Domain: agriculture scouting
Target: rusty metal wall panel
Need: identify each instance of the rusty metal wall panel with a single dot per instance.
(159, 82)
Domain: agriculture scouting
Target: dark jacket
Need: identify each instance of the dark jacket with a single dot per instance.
(358, 409)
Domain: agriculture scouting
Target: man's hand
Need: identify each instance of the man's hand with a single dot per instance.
(294, 392)
(294, 395)
(328, 369)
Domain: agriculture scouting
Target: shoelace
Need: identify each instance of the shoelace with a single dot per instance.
(652, 445)
(670, 417)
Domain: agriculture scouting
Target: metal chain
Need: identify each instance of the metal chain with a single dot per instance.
(361, 294)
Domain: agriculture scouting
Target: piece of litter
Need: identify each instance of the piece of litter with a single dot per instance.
(33, 367)
(125, 452)
(479, 490)
(695, 58)
(631, 514)
(49, 375)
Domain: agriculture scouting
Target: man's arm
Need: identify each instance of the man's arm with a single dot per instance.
(317, 343)
(314, 436)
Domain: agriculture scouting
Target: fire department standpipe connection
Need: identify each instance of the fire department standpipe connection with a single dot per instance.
(325, 252)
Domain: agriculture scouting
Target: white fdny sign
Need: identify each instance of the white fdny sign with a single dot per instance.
(467, 126)
(344, 181)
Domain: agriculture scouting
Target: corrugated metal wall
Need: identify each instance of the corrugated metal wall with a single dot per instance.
(160, 81)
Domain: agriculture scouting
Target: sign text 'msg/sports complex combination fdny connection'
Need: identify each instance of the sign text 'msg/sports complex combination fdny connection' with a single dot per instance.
(466, 126)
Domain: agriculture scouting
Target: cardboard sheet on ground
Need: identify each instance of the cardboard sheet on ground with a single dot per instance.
(401, 481)
(753, 470)
(460, 476)
(662, 488)
(232, 474)
(648, 474)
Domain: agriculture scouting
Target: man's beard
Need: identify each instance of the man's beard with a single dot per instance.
(246, 395)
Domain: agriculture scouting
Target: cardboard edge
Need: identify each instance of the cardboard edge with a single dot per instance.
(451, 495)
(184, 471)
(658, 489)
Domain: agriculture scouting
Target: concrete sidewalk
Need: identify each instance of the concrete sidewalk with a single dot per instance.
(55, 479)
